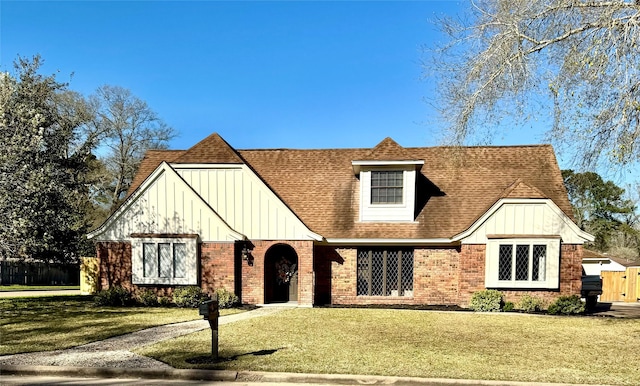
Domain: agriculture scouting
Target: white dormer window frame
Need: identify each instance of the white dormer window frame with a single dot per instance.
(399, 209)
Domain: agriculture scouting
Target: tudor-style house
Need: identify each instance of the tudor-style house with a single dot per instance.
(384, 225)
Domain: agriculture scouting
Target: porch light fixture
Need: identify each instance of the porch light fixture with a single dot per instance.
(245, 253)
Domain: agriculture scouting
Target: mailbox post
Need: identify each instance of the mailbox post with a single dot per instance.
(210, 311)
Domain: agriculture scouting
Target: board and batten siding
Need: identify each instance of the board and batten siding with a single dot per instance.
(165, 204)
(245, 202)
(539, 218)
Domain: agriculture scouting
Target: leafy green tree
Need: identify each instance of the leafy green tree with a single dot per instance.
(43, 166)
(599, 206)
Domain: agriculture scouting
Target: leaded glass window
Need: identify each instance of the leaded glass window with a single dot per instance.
(522, 262)
(385, 272)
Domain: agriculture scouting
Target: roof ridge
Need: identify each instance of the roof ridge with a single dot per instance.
(516, 184)
(213, 149)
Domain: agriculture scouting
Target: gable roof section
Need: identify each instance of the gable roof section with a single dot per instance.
(455, 187)
(211, 150)
(121, 230)
(519, 189)
(387, 150)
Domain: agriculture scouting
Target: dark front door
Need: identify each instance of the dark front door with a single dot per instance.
(281, 274)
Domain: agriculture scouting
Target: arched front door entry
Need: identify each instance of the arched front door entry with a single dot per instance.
(280, 274)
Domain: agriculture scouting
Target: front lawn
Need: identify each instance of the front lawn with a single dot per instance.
(57, 322)
(422, 344)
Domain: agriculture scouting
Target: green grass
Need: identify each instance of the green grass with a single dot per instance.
(18, 287)
(57, 322)
(462, 345)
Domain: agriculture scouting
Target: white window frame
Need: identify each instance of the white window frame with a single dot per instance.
(190, 265)
(388, 212)
(552, 264)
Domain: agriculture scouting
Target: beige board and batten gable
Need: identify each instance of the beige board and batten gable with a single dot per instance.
(165, 204)
(526, 225)
(243, 200)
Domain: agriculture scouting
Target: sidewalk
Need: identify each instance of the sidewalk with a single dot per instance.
(112, 358)
(116, 352)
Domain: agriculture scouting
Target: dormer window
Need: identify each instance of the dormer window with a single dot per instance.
(387, 177)
(386, 187)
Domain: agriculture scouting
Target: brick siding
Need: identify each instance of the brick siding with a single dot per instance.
(442, 276)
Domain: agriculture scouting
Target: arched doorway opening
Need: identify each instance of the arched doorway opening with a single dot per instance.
(280, 274)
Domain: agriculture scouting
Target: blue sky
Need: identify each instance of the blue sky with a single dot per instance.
(296, 74)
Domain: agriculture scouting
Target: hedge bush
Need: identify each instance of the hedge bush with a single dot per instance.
(226, 299)
(114, 296)
(530, 303)
(487, 301)
(567, 305)
(189, 297)
(147, 298)
(508, 307)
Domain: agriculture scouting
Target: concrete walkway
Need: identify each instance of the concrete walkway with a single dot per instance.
(116, 352)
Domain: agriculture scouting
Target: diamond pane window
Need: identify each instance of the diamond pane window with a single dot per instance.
(539, 263)
(377, 273)
(504, 262)
(407, 271)
(386, 187)
(364, 272)
(522, 262)
(384, 272)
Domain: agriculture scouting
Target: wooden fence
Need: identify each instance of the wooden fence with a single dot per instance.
(621, 286)
(38, 273)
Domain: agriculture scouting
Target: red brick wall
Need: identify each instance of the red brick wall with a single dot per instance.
(441, 276)
(217, 266)
(472, 272)
(435, 273)
(436, 276)
(115, 265)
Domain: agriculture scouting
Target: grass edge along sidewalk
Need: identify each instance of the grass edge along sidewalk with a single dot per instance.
(59, 322)
(458, 345)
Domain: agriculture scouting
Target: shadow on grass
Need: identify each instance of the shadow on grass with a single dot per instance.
(204, 360)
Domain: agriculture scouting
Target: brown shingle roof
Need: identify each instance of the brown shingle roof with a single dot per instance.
(211, 150)
(454, 187)
(387, 150)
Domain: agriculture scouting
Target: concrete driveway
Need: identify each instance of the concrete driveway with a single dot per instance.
(618, 310)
